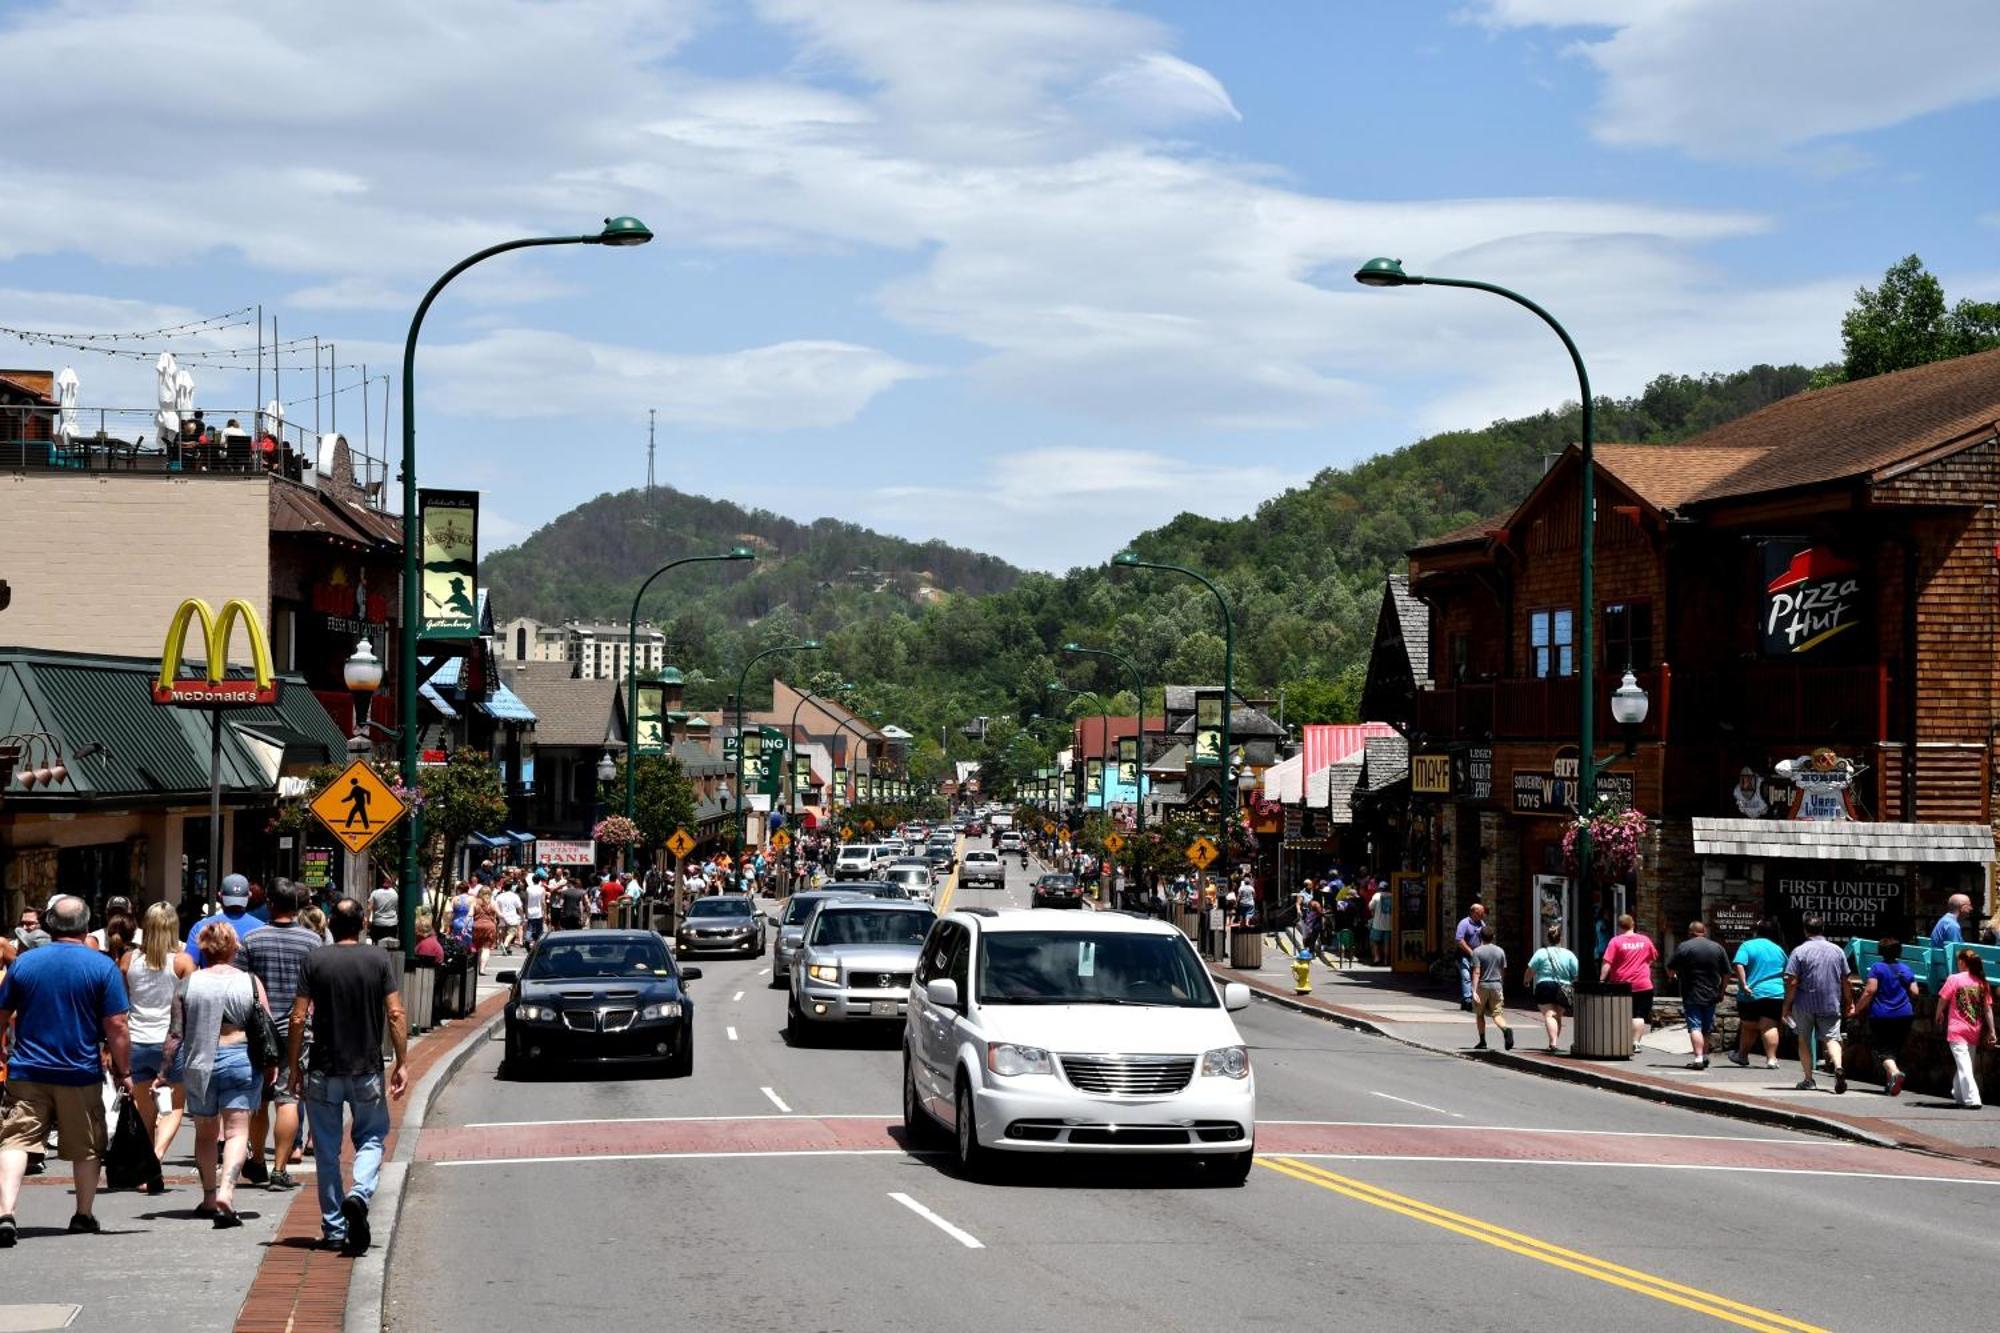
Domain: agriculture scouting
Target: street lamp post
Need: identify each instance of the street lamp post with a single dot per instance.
(743, 683)
(1139, 743)
(362, 674)
(1389, 273)
(843, 724)
(632, 674)
(621, 231)
(1225, 789)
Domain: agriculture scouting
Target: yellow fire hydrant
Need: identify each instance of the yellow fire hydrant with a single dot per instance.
(1302, 974)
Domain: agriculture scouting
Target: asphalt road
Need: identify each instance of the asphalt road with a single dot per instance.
(1395, 1186)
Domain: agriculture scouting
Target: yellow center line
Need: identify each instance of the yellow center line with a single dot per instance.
(1645, 1284)
(951, 880)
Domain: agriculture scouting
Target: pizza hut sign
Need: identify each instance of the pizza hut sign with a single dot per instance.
(1812, 597)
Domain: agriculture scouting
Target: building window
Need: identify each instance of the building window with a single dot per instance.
(1628, 636)
(521, 644)
(1461, 658)
(1551, 641)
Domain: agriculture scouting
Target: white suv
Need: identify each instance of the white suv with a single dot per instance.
(1046, 1031)
(855, 861)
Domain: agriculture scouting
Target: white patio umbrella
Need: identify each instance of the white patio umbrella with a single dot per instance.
(167, 420)
(274, 418)
(183, 394)
(66, 415)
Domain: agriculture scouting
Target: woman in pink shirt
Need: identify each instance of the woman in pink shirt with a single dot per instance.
(1965, 1012)
(1629, 958)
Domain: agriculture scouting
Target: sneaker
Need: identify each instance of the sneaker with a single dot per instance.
(1839, 1081)
(1696, 1064)
(1896, 1086)
(1508, 1039)
(1479, 1045)
(9, 1231)
(1805, 1085)
(254, 1173)
(1770, 1063)
(83, 1224)
(282, 1180)
(354, 1209)
(38, 1163)
(1740, 1060)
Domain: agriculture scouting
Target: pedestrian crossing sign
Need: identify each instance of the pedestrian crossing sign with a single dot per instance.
(680, 844)
(847, 833)
(357, 807)
(781, 840)
(1201, 853)
(1114, 843)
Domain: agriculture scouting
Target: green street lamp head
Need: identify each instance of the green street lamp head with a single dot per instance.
(1125, 558)
(1383, 273)
(624, 231)
(740, 553)
(809, 646)
(1072, 647)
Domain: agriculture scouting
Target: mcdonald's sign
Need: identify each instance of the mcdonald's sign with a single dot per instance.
(216, 689)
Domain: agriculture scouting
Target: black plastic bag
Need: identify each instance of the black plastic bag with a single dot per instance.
(129, 1163)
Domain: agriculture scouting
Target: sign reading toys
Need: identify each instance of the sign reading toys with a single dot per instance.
(1812, 599)
(449, 522)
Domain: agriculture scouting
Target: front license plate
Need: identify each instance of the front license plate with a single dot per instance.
(882, 1009)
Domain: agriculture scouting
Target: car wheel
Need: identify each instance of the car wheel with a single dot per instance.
(969, 1155)
(1229, 1170)
(778, 981)
(796, 1029)
(919, 1129)
(681, 1065)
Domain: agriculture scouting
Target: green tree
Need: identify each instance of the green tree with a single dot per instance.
(1905, 322)
(459, 797)
(662, 797)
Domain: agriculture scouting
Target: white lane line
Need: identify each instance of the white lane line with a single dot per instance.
(959, 1234)
(763, 971)
(667, 1120)
(1421, 1106)
(731, 1032)
(1538, 1129)
(776, 1100)
(736, 997)
(1649, 1166)
(673, 1156)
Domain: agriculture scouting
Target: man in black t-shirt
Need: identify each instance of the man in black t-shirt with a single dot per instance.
(349, 992)
(1700, 964)
(573, 906)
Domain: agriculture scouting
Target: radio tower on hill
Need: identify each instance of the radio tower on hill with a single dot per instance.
(649, 456)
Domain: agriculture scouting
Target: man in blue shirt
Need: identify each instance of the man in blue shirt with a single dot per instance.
(235, 911)
(1949, 929)
(1465, 939)
(65, 1001)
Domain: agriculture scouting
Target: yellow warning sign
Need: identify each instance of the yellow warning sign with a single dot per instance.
(847, 833)
(1114, 843)
(781, 840)
(680, 844)
(357, 807)
(1201, 853)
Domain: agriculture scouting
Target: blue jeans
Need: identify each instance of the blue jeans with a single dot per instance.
(1464, 979)
(327, 1098)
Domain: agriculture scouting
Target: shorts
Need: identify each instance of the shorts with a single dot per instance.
(148, 1064)
(1700, 1017)
(1752, 1011)
(1377, 935)
(1888, 1036)
(232, 1084)
(1824, 1027)
(1642, 1004)
(1492, 999)
(279, 1093)
(1550, 992)
(75, 1113)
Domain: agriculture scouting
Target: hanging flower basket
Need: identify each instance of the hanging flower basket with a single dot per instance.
(616, 831)
(1614, 841)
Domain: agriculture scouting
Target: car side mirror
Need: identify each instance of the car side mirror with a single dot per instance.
(506, 978)
(1235, 995)
(694, 974)
(943, 992)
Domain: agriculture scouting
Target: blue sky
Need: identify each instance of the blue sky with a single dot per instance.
(1028, 276)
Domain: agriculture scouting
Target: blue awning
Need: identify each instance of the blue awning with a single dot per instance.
(437, 701)
(504, 705)
(522, 838)
(492, 839)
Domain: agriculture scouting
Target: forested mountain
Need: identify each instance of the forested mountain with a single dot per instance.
(932, 636)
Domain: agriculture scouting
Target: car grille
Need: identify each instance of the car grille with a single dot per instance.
(616, 1020)
(580, 1020)
(878, 980)
(1128, 1075)
(598, 1020)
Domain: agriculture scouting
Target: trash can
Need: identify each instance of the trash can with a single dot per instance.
(420, 1002)
(405, 981)
(1246, 948)
(1603, 1021)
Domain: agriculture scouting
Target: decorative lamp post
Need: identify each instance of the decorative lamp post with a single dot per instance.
(620, 231)
(1629, 706)
(743, 683)
(362, 673)
(1389, 273)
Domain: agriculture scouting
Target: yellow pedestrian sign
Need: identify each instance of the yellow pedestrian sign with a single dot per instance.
(1048, 826)
(1114, 843)
(780, 840)
(680, 844)
(867, 826)
(847, 833)
(1201, 853)
(357, 807)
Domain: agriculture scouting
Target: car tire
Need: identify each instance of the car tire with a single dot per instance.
(1229, 1170)
(778, 982)
(920, 1129)
(970, 1156)
(681, 1063)
(797, 1028)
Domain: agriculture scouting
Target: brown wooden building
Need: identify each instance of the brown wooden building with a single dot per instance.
(1820, 575)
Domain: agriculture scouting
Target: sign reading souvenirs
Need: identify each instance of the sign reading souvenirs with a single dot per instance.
(1207, 728)
(216, 688)
(1812, 597)
(1854, 900)
(449, 522)
(1553, 791)
(1822, 785)
(1430, 774)
(357, 807)
(1128, 762)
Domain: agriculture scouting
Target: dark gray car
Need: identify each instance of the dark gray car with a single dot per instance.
(726, 923)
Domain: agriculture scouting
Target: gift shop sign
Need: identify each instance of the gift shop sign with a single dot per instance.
(1553, 790)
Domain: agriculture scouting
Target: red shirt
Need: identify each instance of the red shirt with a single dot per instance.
(610, 891)
(1629, 958)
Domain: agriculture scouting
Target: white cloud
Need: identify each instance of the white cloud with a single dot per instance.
(1743, 79)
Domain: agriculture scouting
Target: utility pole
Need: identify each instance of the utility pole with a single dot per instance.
(650, 414)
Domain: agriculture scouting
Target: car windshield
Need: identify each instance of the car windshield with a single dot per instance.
(871, 926)
(562, 959)
(719, 907)
(915, 876)
(1083, 967)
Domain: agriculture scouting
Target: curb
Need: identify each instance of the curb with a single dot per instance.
(367, 1283)
(1688, 1100)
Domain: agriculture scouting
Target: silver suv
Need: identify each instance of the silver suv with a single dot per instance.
(855, 964)
(982, 870)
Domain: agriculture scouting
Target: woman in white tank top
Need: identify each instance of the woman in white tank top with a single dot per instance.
(153, 970)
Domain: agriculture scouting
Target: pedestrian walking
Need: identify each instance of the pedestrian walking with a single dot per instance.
(1819, 991)
(1489, 979)
(385, 907)
(572, 905)
(28, 932)
(211, 1039)
(461, 914)
(1629, 957)
(235, 914)
(153, 974)
(348, 995)
(1760, 994)
(508, 903)
(485, 926)
(274, 956)
(1381, 911)
(534, 908)
(1552, 971)
(1957, 919)
(1965, 1013)
(1702, 967)
(1465, 939)
(1886, 999)
(65, 1006)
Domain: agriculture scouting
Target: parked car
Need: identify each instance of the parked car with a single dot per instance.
(855, 965)
(726, 923)
(1064, 1032)
(982, 870)
(599, 997)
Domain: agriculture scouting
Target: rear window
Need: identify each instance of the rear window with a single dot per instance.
(867, 926)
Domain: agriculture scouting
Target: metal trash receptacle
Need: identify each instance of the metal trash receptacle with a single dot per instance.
(1603, 1021)
(420, 997)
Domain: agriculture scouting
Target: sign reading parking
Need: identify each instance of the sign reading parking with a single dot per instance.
(1201, 853)
(357, 807)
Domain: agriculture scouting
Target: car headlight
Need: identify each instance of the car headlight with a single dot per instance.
(824, 971)
(665, 1009)
(1005, 1058)
(535, 1013)
(1226, 1062)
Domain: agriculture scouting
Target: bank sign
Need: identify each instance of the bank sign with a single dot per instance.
(1812, 599)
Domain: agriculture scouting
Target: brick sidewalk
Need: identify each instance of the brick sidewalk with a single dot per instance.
(301, 1287)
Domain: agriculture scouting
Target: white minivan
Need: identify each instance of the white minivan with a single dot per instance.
(855, 861)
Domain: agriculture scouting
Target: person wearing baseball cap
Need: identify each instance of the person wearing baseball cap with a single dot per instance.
(235, 911)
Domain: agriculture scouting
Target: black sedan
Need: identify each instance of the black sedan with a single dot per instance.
(600, 997)
(726, 923)
(1054, 890)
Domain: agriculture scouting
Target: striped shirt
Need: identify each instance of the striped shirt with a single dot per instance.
(274, 956)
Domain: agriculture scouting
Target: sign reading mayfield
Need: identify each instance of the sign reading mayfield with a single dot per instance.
(1812, 597)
